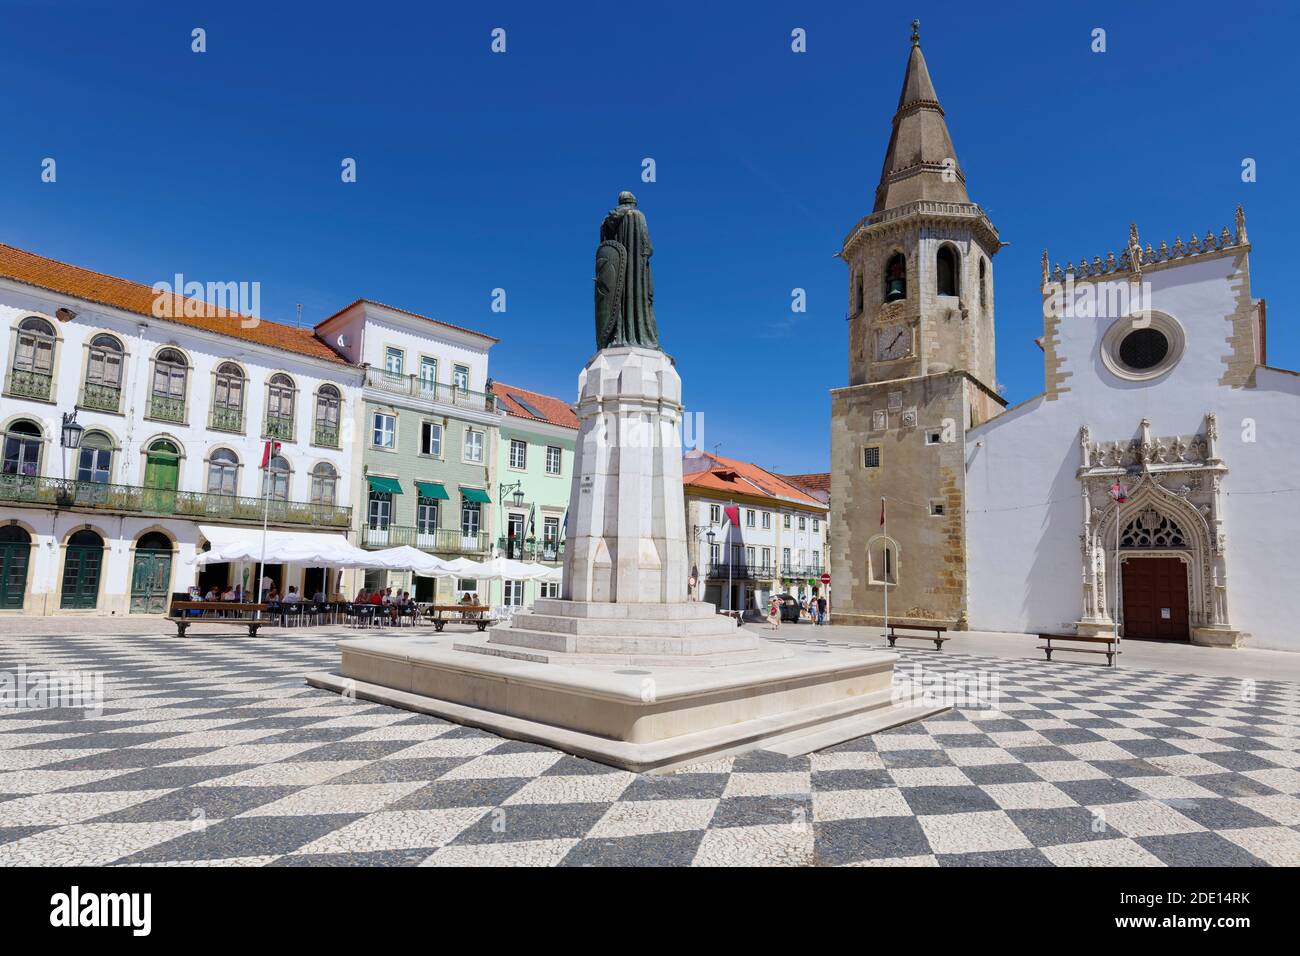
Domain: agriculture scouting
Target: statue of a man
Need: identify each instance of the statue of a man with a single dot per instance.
(625, 293)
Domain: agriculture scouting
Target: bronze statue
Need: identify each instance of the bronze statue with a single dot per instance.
(625, 293)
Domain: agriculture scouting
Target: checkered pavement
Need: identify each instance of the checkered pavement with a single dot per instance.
(212, 751)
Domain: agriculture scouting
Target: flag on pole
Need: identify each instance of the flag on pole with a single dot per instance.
(733, 514)
(1119, 492)
(882, 511)
(269, 450)
(532, 520)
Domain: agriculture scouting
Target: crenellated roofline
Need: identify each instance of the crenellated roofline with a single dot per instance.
(1135, 257)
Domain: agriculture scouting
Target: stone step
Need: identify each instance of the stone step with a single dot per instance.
(715, 625)
(513, 636)
(683, 611)
(727, 659)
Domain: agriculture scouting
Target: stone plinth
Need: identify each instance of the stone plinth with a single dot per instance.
(623, 669)
(626, 536)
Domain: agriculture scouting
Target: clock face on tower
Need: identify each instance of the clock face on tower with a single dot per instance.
(893, 342)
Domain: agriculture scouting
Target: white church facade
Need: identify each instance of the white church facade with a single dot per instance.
(1156, 379)
(1157, 391)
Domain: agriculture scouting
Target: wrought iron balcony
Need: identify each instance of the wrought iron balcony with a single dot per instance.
(547, 552)
(416, 387)
(279, 427)
(802, 570)
(164, 408)
(133, 499)
(440, 541)
(326, 435)
(740, 570)
(227, 420)
(37, 385)
(102, 398)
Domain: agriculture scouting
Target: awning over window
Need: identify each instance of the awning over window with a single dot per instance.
(385, 486)
(431, 489)
(476, 494)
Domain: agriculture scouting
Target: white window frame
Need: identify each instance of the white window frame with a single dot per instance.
(429, 445)
(518, 454)
(468, 445)
(376, 430)
(556, 452)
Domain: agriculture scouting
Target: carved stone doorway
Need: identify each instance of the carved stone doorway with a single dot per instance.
(1155, 598)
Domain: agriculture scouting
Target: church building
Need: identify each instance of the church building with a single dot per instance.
(1147, 488)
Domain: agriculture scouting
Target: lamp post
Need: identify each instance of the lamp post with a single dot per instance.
(71, 438)
(517, 498)
(709, 533)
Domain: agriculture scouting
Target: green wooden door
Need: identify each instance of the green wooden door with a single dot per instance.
(161, 476)
(81, 568)
(14, 556)
(149, 579)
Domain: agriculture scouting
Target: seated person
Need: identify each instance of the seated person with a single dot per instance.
(211, 594)
(293, 597)
(319, 596)
(229, 595)
(376, 598)
(272, 596)
(363, 597)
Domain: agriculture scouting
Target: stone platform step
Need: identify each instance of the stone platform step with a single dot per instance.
(732, 639)
(720, 653)
(712, 625)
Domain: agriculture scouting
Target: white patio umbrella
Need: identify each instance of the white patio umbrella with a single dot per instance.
(407, 558)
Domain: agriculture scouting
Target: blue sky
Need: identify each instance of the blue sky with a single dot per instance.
(479, 170)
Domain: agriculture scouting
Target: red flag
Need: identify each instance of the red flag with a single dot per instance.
(269, 449)
(1117, 491)
(733, 514)
(882, 512)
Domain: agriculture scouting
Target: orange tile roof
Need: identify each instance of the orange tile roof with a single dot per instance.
(820, 481)
(90, 286)
(741, 477)
(556, 411)
(416, 315)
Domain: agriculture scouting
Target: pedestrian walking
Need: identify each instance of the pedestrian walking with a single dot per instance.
(774, 612)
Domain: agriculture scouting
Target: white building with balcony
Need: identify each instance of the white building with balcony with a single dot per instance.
(175, 400)
(751, 533)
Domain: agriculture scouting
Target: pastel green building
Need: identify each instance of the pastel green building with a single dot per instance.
(537, 434)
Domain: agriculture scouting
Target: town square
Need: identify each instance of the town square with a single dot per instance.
(521, 453)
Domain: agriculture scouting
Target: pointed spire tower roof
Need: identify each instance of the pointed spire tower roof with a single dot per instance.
(920, 163)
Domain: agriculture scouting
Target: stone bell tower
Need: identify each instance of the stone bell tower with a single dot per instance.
(921, 372)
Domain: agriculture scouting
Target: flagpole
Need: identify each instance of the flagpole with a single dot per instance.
(884, 523)
(266, 511)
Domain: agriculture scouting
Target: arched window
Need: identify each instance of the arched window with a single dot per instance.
(1151, 529)
(32, 372)
(228, 398)
(167, 397)
(945, 263)
(223, 472)
(279, 407)
(328, 404)
(95, 458)
(275, 479)
(896, 278)
(882, 560)
(323, 482)
(984, 284)
(22, 449)
(103, 386)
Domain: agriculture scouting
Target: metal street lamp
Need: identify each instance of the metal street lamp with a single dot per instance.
(71, 438)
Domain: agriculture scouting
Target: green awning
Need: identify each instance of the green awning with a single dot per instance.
(476, 494)
(431, 489)
(385, 486)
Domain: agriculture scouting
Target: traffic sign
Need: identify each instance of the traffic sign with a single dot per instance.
(825, 579)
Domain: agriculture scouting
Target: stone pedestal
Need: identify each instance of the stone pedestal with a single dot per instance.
(623, 669)
(626, 536)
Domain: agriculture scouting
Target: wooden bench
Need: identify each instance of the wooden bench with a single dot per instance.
(1110, 650)
(435, 614)
(218, 612)
(936, 630)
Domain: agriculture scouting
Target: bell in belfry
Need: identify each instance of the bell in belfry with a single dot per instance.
(896, 279)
